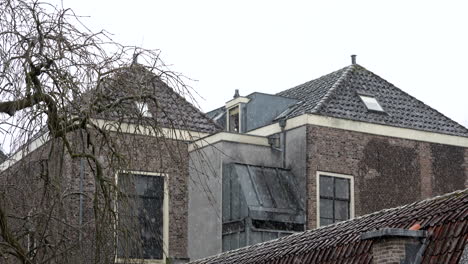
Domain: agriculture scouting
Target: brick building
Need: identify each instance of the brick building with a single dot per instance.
(144, 152)
(344, 145)
(341, 146)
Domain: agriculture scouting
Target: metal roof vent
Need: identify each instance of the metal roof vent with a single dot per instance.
(353, 59)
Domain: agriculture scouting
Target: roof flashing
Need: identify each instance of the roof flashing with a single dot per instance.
(393, 232)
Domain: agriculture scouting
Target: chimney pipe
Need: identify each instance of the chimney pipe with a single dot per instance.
(397, 245)
(353, 59)
(236, 93)
(135, 58)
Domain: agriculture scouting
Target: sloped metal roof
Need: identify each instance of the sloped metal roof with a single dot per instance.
(269, 193)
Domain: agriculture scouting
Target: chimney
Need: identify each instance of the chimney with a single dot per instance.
(396, 245)
(353, 59)
(236, 93)
(135, 58)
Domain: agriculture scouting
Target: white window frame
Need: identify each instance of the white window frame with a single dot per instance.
(351, 192)
(165, 218)
(240, 117)
(365, 99)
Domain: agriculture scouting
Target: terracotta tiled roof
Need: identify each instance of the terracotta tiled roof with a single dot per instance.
(336, 95)
(444, 217)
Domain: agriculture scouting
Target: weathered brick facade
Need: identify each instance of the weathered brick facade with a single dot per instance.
(390, 250)
(141, 153)
(388, 171)
(152, 154)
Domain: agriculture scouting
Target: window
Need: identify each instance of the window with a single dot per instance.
(234, 119)
(143, 109)
(335, 198)
(371, 103)
(142, 217)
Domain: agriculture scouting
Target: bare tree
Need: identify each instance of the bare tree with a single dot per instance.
(80, 93)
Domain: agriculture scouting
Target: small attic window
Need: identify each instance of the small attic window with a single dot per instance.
(143, 109)
(371, 103)
(234, 124)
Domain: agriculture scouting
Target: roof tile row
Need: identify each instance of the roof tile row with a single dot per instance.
(336, 95)
(444, 217)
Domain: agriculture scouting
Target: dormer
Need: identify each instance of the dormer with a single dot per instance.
(243, 114)
(235, 116)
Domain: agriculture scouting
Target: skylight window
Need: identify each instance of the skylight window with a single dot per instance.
(371, 103)
(143, 109)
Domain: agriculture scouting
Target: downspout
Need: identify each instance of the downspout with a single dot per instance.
(282, 124)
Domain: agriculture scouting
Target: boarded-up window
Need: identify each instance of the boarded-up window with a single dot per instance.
(335, 199)
(140, 216)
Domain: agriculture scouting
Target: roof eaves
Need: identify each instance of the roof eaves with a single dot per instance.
(417, 100)
(437, 111)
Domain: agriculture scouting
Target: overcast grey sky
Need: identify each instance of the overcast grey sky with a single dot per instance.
(268, 46)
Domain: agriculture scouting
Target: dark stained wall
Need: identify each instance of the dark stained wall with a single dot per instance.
(388, 172)
(447, 168)
(395, 170)
(151, 154)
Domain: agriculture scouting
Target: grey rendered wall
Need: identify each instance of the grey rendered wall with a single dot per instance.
(296, 157)
(263, 108)
(205, 191)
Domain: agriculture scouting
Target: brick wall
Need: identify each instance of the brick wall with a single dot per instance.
(153, 154)
(389, 250)
(388, 172)
(141, 153)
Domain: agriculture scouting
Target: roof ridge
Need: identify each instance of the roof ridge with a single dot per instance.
(189, 104)
(322, 76)
(417, 100)
(402, 206)
(330, 91)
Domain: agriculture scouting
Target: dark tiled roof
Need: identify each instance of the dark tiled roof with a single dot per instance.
(213, 113)
(336, 95)
(444, 217)
(169, 110)
(312, 92)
